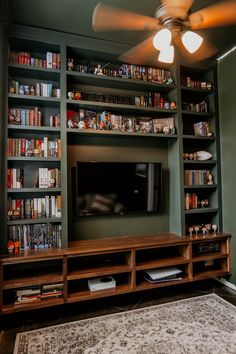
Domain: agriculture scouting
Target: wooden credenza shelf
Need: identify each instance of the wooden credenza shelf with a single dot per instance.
(123, 258)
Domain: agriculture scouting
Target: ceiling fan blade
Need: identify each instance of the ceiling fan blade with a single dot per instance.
(142, 54)
(205, 51)
(110, 18)
(177, 8)
(221, 14)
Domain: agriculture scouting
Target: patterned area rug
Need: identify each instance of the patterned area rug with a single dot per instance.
(205, 324)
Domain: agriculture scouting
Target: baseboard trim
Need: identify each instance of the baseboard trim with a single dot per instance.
(226, 283)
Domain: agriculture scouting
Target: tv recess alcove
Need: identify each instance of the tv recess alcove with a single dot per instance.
(117, 149)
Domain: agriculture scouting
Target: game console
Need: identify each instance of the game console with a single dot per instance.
(101, 283)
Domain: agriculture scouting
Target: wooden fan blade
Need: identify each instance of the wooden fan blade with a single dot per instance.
(206, 50)
(142, 54)
(221, 14)
(110, 18)
(177, 8)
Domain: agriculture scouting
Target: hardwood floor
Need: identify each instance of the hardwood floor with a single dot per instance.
(10, 325)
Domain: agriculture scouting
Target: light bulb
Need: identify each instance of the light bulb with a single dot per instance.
(192, 41)
(162, 39)
(167, 55)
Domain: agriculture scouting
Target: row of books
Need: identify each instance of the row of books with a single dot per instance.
(48, 60)
(35, 236)
(15, 178)
(196, 177)
(192, 201)
(154, 100)
(44, 178)
(18, 116)
(129, 71)
(41, 89)
(34, 208)
(34, 147)
(36, 293)
(48, 178)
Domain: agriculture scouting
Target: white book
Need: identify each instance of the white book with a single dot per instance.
(39, 207)
(45, 175)
(47, 206)
(49, 60)
(53, 206)
(45, 146)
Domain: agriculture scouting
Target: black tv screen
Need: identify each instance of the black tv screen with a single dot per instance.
(118, 188)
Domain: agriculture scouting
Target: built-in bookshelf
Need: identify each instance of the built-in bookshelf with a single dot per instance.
(33, 146)
(200, 149)
(67, 103)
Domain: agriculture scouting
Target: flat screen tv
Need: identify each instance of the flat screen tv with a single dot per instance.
(118, 188)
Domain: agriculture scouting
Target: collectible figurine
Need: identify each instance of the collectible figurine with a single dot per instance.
(214, 228)
(70, 64)
(98, 70)
(210, 178)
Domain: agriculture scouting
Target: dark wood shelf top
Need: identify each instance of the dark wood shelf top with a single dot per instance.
(31, 281)
(209, 255)
(160, 263)
(98, 271)
(87, 294)
(144, 285)
(32, 305)
(96, 246)
(209, 274)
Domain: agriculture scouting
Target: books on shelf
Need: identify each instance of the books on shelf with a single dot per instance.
(36, 236)
(34, 208)
(22, 147)
(37, 293)
(159, 275)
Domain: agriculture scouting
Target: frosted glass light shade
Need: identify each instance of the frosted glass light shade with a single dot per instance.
(162, 39)
(192, 41)
(167, 55)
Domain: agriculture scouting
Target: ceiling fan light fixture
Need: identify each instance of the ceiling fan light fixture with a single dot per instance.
(167, 55)
(191, 41)
(162, 39)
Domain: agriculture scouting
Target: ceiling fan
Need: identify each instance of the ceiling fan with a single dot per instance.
(173, 23)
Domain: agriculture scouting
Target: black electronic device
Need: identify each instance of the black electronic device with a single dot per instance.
(118, 188)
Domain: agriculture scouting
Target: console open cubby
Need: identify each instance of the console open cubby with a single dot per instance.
(78, 290)
(161, 256)
(87, 266)
(142, 283)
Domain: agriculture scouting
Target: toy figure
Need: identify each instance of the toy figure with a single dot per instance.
(70, 64)
(98, 70)
(210, 178)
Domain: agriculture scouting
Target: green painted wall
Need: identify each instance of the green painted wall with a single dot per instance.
(227, 100)
(123, 150)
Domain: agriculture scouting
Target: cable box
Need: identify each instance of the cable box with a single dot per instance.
(101, 283)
